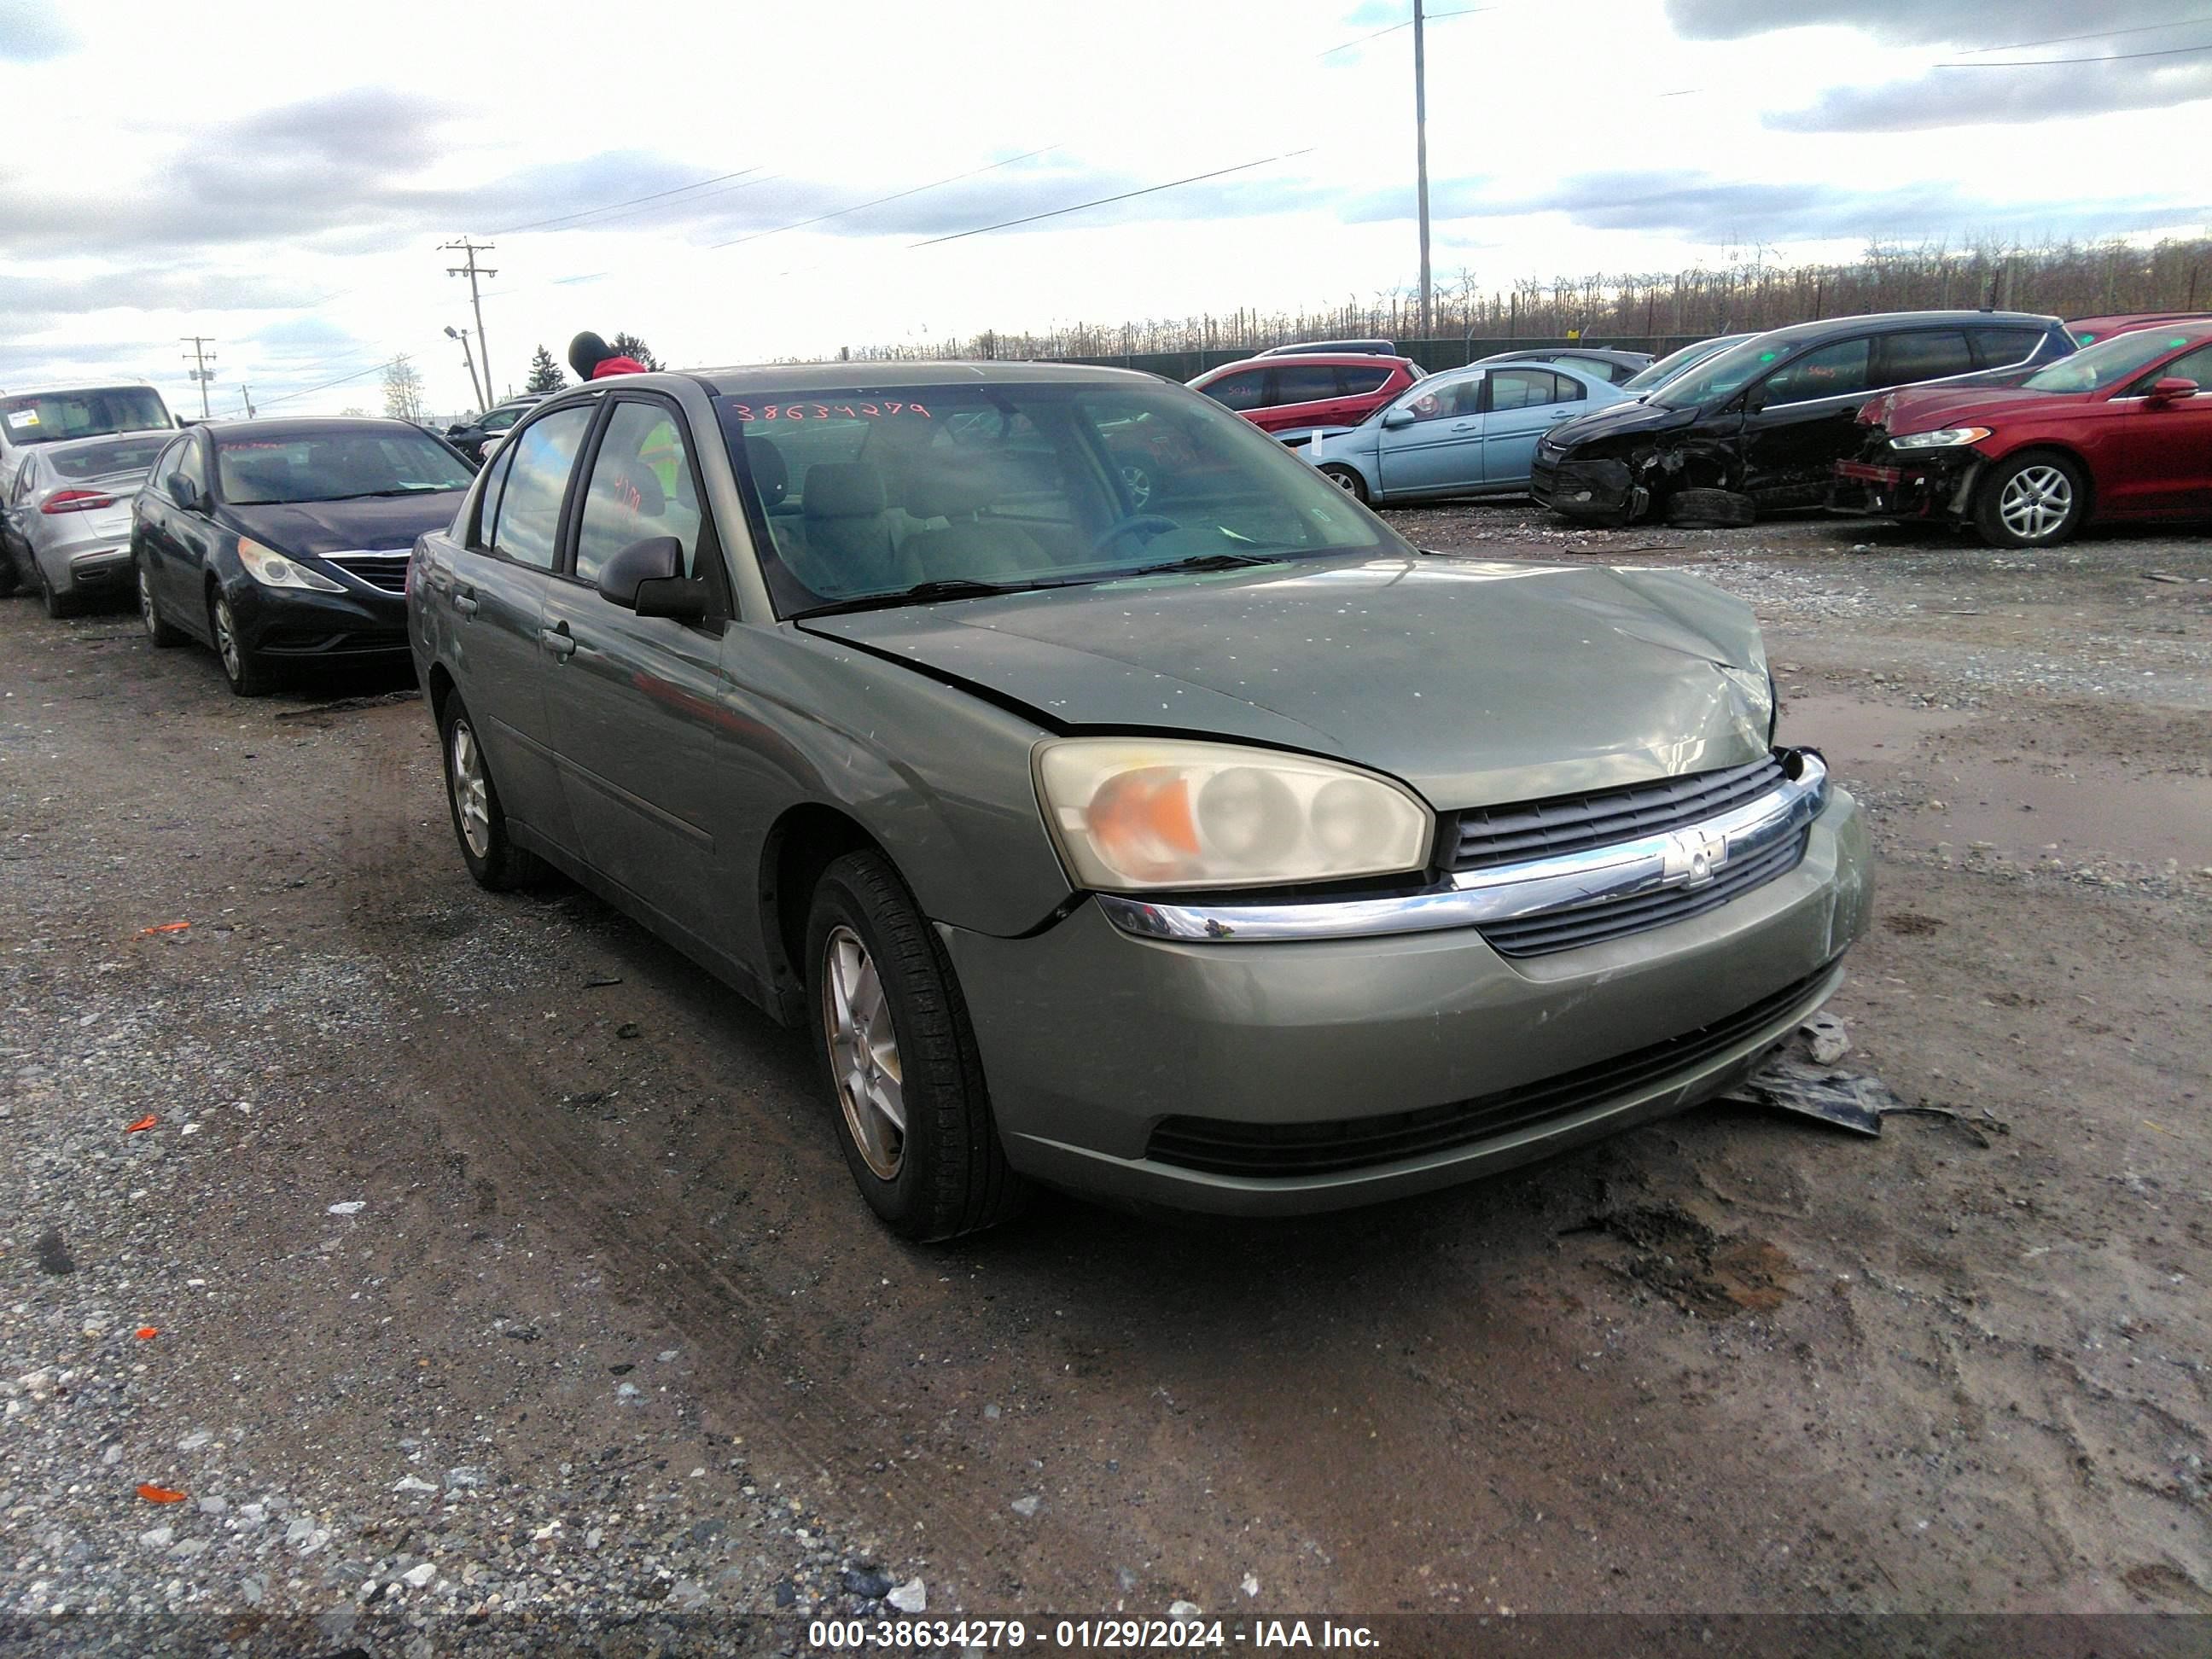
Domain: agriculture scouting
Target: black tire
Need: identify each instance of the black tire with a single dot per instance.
(60, 606)
(249, 676)
(2023, 490)
(1710, 509)
(948, 1174)
(11, 575)
(162, 632)
(498, 864)
(1345, 478)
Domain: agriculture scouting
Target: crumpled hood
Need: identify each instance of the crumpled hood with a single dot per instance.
(1620, 420)
(1931, 408)
(382, 524)
(1476, 683)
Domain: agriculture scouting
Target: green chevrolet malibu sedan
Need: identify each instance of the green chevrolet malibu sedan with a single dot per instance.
(1119, 805)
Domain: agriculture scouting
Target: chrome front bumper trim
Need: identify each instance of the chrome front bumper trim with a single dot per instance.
(1689, 857)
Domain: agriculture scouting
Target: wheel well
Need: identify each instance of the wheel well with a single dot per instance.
(439, 688)
(804, 842)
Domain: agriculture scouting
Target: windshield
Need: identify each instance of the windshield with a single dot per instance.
(47, 417)
(336, 465)
(867, 494)
(1719, 374)
(2121, 357)
(104, 459)
(1657, 374)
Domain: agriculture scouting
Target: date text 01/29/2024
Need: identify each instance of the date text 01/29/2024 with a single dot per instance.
(1102, 1635)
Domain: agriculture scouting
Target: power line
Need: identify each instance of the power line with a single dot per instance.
(309, 391)
(2100, 34)
(1102, 201)
(1433, 17)
(628, 200)
(895, 196)
(2044, 63)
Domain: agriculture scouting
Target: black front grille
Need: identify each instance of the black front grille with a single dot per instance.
(1220, 1146)
(1593, 924)
(321, 642)
(1490, 835)
(387, 571)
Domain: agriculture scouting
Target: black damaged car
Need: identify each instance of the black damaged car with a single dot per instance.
(285, 543)
(1757, 428)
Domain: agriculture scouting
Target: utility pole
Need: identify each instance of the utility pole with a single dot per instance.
(247, 393)
(471, 270)
(483, 394)
(1421, 153)
(200, 359)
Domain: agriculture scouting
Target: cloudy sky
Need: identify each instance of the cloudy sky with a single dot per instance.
(737, 182)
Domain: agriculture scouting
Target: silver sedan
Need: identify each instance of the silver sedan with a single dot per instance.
(67, 523)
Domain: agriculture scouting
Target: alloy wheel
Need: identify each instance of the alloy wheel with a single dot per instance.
(471, 793)
(1138, 482)
(1343, 481)
(864, 1057)
(2036, 502)
(226, 639)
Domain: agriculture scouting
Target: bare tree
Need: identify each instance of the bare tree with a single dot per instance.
(403, 391)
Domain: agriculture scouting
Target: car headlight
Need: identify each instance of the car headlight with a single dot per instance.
(1132, 814)
(272, 569)
(1949, 437)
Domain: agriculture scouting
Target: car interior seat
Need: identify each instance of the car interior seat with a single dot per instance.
(850, 540)
(967, 545)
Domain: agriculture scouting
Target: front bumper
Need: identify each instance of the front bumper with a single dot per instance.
(297, 625)
(1093, 1040)
(1600, 491)
(1936, 486)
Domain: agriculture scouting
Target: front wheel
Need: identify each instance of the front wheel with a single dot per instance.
(479, 823)
(242, 667)
(1347, 479)
(892, 1034)
(2032, 500)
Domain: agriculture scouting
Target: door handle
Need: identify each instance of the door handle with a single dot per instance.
(465, 604)
(558, 640)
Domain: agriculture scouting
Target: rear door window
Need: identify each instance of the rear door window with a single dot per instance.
(2001, 347)
(530, 504)
(1304, 383)
(1924, 355)
(1836, 370)
(1358, 382)
(1525, 388)
(488, 501)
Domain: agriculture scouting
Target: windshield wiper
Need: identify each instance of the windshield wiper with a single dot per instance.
(1202, 562)
(403, 489)
(920, 593)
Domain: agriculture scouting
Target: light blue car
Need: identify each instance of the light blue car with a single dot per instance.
(1466, 432)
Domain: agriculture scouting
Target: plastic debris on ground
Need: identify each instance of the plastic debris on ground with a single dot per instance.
(163, 927)
(1802, 1076)
(145, 1123)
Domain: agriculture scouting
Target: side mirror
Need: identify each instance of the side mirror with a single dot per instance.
(182, 493)
(1397, 417)
(2171, 390)
(647, 577)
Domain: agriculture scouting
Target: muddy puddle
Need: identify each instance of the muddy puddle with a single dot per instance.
(2026, 805)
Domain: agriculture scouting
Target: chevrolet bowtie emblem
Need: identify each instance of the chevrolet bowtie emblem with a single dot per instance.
(1693, 857)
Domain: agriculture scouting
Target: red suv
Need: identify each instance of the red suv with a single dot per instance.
(1279, 393)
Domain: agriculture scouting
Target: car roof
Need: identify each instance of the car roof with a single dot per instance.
(48, 388)
(861, 376)
(1545, 354)
(1892, 322)
(1345, 359)
(309, 426)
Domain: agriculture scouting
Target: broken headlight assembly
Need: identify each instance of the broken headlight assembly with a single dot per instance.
(1949, 437)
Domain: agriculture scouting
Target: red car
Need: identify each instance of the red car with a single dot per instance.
(2088, 331)
(2119, 430)
(1277, 394)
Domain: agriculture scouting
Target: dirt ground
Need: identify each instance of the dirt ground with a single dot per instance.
(608, 1277)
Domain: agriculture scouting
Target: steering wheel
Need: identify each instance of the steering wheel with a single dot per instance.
(1158, 523)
